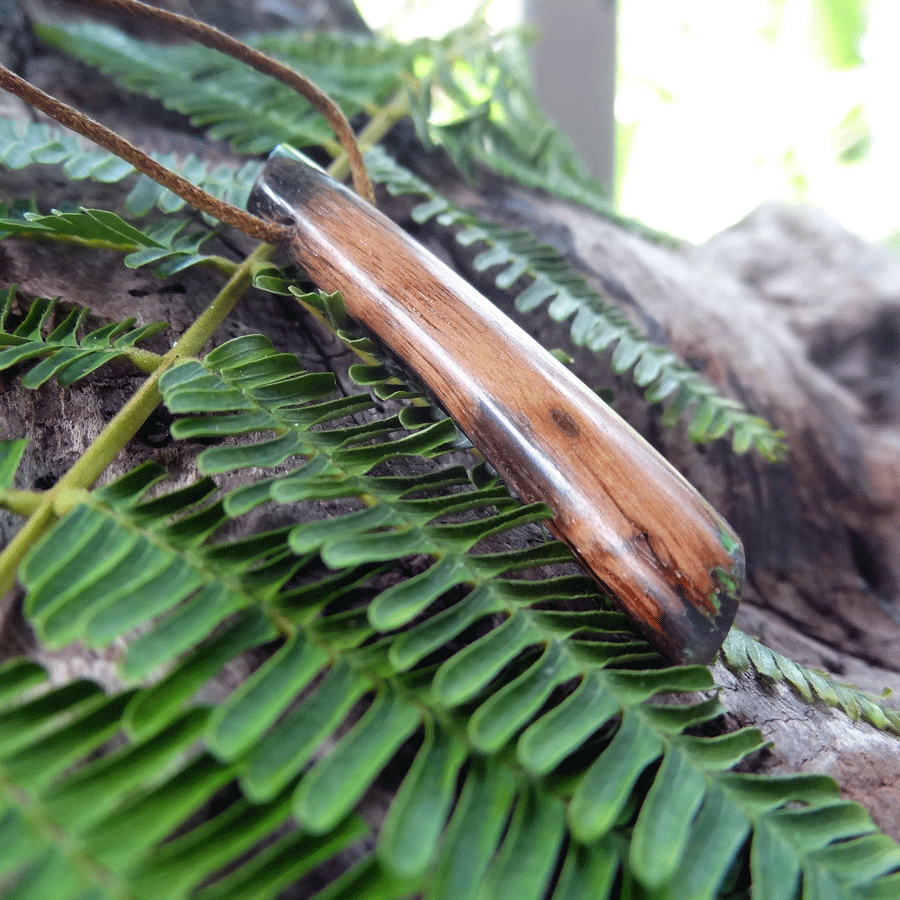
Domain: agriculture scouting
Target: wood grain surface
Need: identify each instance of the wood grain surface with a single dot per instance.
(646, 535)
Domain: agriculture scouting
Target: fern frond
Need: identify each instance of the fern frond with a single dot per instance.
(543, 760)
(473, 99)
(559, 750)
(163, 245)
(116, 809)
(28, 143)
(238, 104)
(741, 652)
(595, 321)
(465, 93)
(63, 354)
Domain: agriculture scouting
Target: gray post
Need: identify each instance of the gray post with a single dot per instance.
(573, 65)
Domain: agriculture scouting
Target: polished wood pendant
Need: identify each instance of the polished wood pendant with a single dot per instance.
(644, 533)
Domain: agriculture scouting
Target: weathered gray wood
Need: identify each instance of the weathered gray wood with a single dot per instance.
(573, 69)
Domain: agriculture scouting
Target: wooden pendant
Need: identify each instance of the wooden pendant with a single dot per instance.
(644, 533)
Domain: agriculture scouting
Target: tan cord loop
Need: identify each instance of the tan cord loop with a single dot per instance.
(216, 40)
(109, 140)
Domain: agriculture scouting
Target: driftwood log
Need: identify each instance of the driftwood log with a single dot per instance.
(785, 310)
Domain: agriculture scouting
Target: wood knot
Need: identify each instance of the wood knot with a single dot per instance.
(564, 422)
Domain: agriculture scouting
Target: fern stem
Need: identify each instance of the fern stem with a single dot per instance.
(22, 503)
(380, 124)
(126, 423)
(144, 360)
(221, 264)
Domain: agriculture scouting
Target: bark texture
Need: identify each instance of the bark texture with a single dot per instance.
(786, 311)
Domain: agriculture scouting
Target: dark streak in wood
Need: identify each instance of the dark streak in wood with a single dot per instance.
(564, 422)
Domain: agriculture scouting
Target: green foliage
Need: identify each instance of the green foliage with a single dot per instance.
(742, 653)
(595, 321)
(546, 750)
(11, 453)
(465, 93)
(163, 245)
(534, 715)
(841, 26)
(240, 105)
(62, 353)
(27, 143)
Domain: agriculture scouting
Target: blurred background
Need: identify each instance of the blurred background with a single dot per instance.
(695, 112)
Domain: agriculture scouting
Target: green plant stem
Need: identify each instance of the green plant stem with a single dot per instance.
(144, 360)
(221, 264)
(126, 423)
(23, 503)
(380, 124)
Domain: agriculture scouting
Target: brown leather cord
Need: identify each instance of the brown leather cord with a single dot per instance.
(109, 140)
(217, 40)
(210, 37)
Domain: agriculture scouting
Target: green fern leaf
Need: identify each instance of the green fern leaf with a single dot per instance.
(542, 705)
(486, 115)
(160, 245)
(63, 355)
(29, 143)
(148, 788)
(485, 112)
(237, 103)
(595, 321)
(11, 453)
(411, 833)
(559, 742)
(741, 652)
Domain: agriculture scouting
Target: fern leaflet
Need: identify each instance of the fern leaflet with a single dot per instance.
(741, 652)
(11, 453)
(63, 354)
(162, 245)
(28, 143)
(237, 103)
